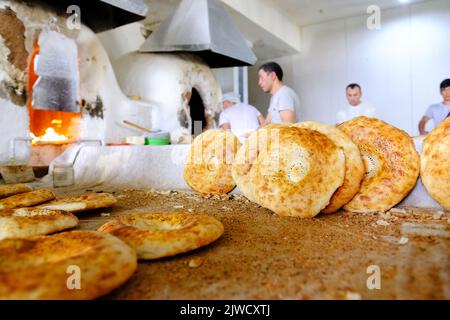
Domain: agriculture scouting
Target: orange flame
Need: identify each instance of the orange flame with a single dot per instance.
(50, 135)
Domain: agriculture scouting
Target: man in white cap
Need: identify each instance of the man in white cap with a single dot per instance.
(239, 118)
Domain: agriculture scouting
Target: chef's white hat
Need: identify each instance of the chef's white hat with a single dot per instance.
(232, 97)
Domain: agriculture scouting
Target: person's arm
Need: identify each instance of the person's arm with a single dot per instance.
(287, 116)
(268, 119)
(224, 122)
(226, 126)
(286, 105)
(422, 124)
(426, 117)
(261, 120)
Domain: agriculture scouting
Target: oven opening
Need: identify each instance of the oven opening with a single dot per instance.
(197, 113)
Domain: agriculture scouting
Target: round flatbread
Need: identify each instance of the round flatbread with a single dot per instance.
(354, 166)
(291, 171)
(157, 235)
(81, 203)
(26, 222)
(7, 190)
(435, 164)
(208, 166)
(391, 161)
(27, 199)
(68, 265)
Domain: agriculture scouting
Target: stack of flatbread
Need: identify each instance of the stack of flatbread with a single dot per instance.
(290, 170)
(18, 219)
(25, 212)
(354, 166)
(35, 265)
(362, 165)
(84, 264)
(391, 162)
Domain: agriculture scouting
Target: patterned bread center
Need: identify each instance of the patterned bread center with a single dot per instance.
(298, 167)
(213, 164)
(370, 159)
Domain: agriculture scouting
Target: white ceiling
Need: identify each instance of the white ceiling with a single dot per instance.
(299, 12)
(306, 12)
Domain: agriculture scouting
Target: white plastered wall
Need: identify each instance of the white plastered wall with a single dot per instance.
(399, 66)
(165, 82)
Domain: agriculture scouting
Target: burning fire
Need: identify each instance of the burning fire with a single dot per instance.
(50, 135)
(48, 126)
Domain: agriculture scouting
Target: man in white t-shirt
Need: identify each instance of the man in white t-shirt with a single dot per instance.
(355, 107)
(438, 112)
(239, 118)
(284, 101)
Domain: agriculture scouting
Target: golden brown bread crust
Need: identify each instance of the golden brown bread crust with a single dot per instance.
(7, 190)
(39, 267)
(391, 160)
(435, 164)
(157, 235)
(354, 166)
(291, 171)
(208, 166)
(26, 222)
(81, 203)
(27, 199)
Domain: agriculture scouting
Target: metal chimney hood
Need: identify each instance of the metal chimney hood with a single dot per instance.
(205, 28)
